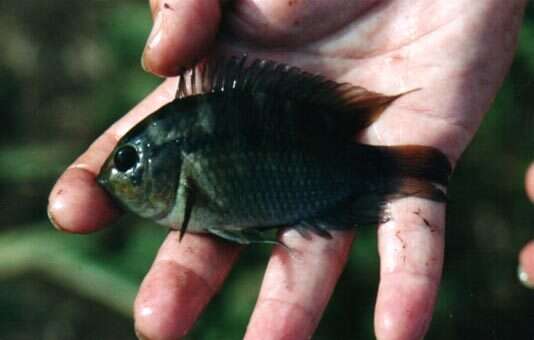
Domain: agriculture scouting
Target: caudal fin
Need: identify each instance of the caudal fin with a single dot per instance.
(415, 161)
(406, 170)
(404, 187)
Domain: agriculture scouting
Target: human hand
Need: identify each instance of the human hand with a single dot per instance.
(526, 256)
(456, 51)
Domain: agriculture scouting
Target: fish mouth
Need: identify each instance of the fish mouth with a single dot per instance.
(105, 184)
(102, 177)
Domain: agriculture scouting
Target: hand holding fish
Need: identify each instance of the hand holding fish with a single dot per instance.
(456, 52)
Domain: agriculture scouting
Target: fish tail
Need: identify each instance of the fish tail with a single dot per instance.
(404, 170)
(413, 170)
(417, 163)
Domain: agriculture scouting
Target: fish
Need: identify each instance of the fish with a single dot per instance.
(249, 146)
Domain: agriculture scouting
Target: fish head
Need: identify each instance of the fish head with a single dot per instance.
(143, 171)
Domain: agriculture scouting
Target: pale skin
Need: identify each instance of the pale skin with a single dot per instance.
(457, 52)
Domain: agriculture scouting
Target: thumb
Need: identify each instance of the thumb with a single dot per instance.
(183, 31)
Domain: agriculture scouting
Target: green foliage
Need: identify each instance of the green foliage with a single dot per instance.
(70, 68)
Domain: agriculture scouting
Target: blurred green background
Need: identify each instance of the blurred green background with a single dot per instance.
(68, 69)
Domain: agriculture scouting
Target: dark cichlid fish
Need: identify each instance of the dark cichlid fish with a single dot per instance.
(247, 147)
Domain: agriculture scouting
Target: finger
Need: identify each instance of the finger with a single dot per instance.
(182, 280)
(526, 257)
(77, 203)
(411, 259)
(529, 182)
(297, 285)
(526, 265)
(183, 31)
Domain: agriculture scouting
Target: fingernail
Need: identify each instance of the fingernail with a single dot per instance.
(154, 38)
(155, 35)
(80, 166)
(523, 278)
(52, 220)
(140, 335)
(55, 204)
(143, 63)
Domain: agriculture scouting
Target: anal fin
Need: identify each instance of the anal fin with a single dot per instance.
(367, 210)
(315, 227)
(245, 236)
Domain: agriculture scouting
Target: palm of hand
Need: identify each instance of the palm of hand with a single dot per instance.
(457, 52)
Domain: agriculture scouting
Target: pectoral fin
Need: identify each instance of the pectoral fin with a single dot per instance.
(188, 197)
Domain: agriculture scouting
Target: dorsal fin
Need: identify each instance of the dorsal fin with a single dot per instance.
(340, 108)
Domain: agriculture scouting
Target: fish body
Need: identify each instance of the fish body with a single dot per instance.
(247, 147)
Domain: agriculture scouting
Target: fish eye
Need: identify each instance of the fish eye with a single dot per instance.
(125, 158)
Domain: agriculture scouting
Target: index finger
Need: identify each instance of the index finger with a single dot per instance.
(77, 203)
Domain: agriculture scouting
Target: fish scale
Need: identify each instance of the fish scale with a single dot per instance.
(245, 182)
